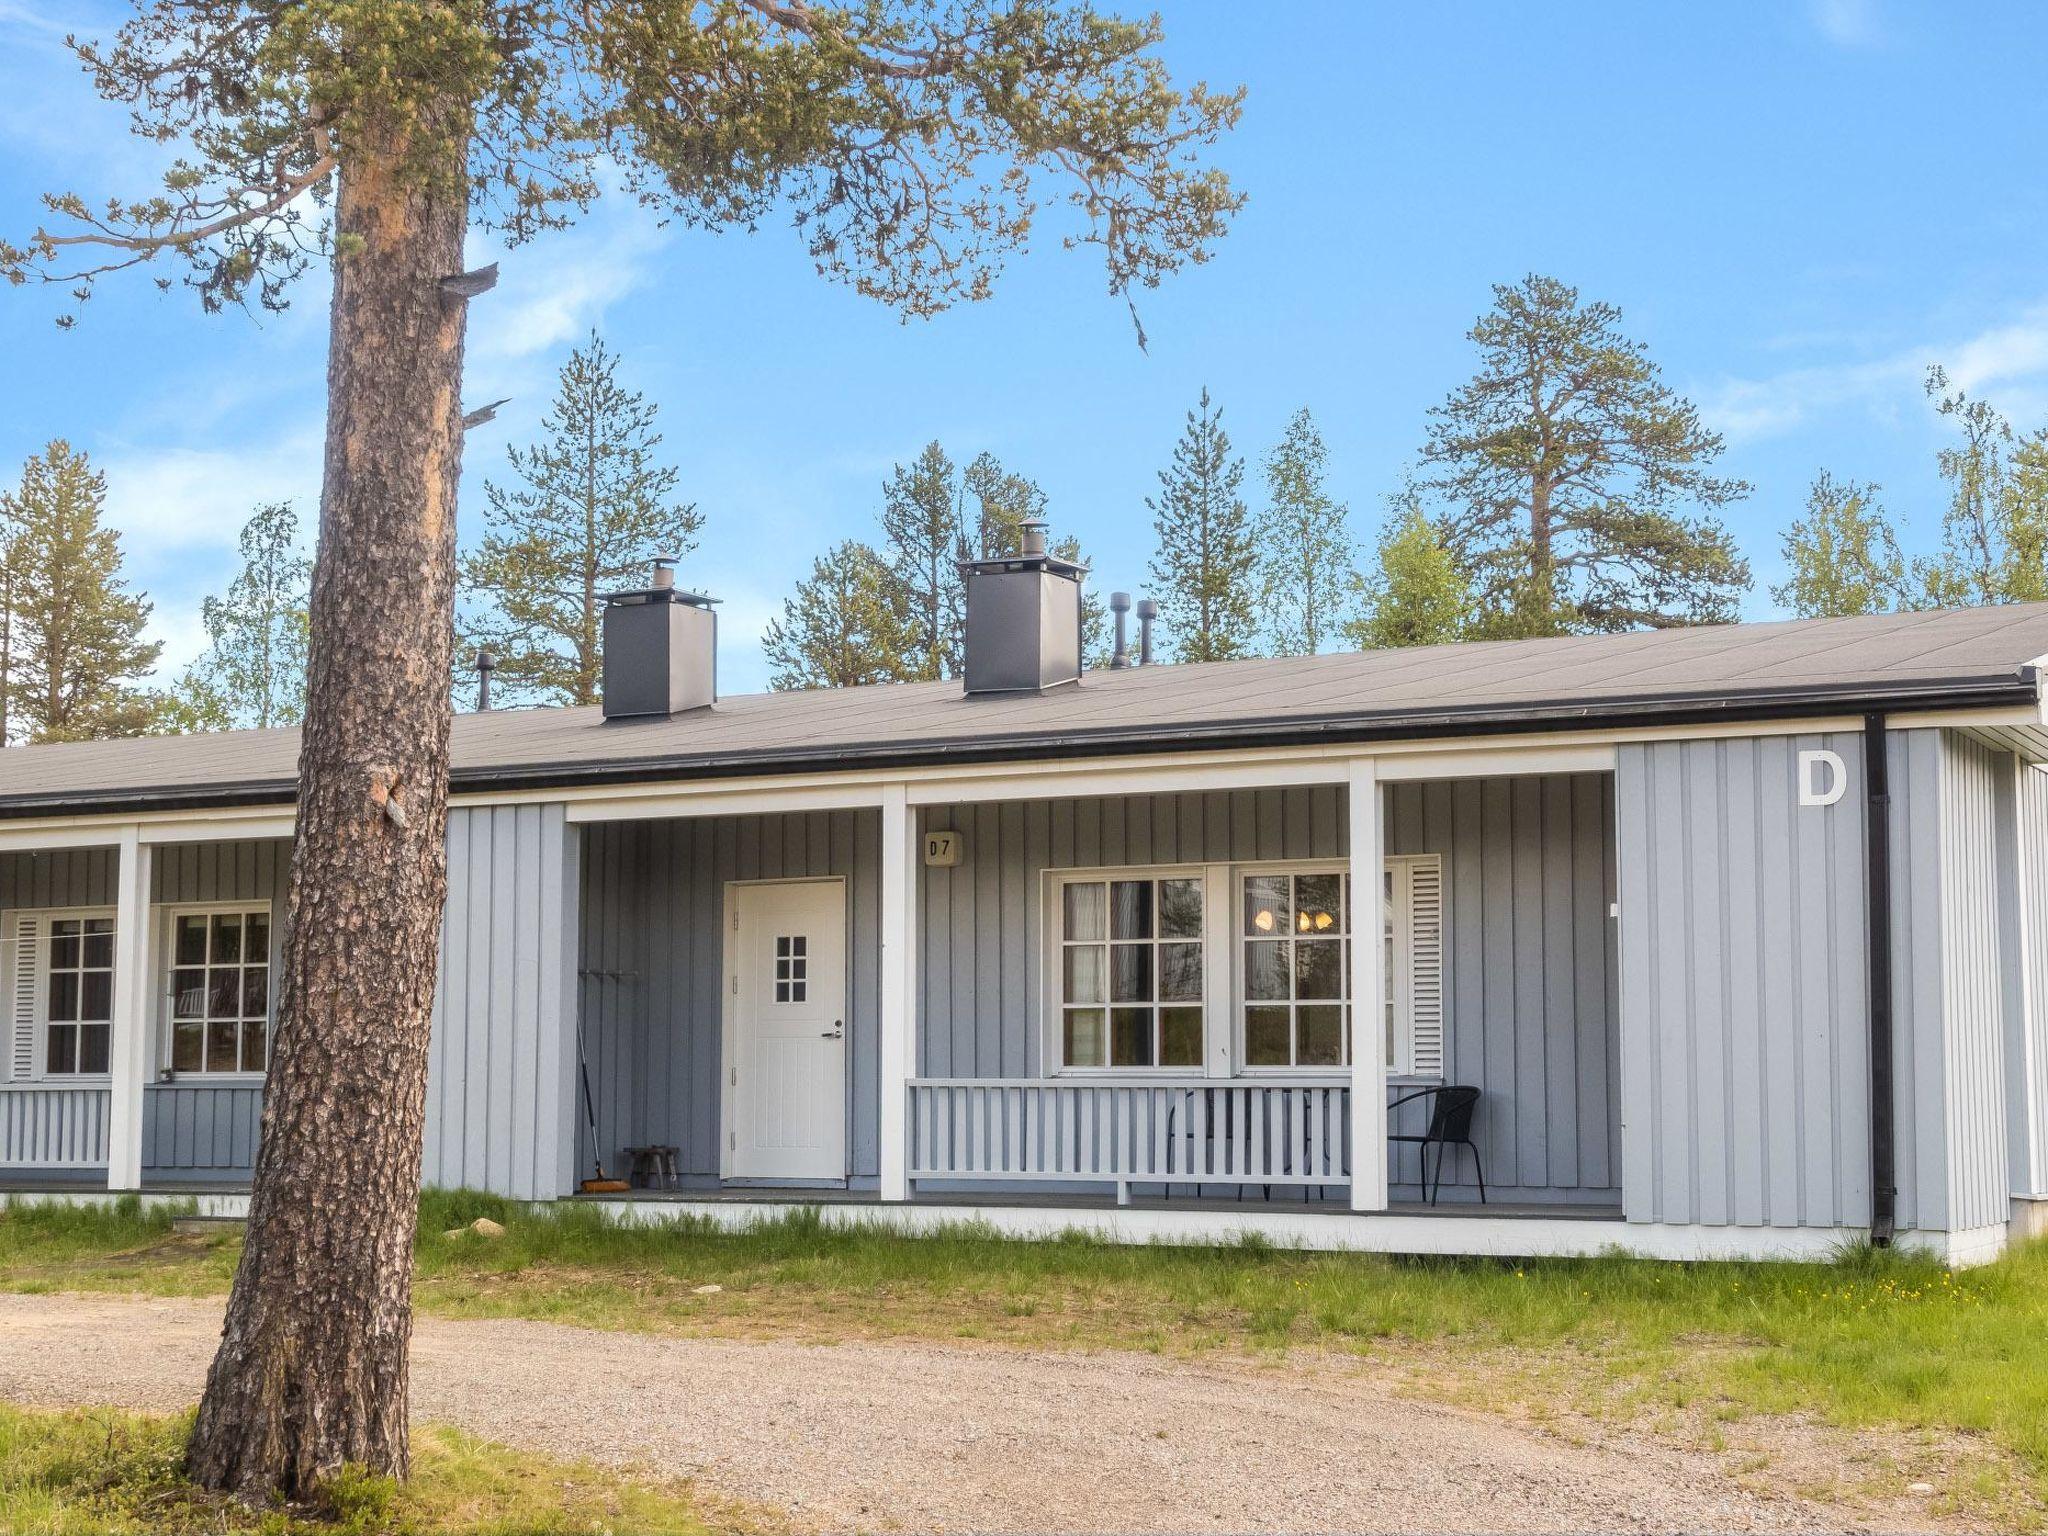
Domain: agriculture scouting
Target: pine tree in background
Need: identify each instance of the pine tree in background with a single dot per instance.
(1205, 566)
(1307, 567)
(591, 509)
(253, 672)
(923, 537)
(1416, 594)
(1842, 556)
(77, 656)
(1565, 468)
(1994, 533)
(846, 625)
(1003, 502)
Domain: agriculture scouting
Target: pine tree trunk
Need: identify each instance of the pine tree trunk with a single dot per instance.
(311, 1371)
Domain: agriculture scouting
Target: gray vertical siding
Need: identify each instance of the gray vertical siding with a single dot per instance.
(1976, 943)
(501, 1070)
(1530, 988)
(189, 1130)
(653, 965)
(1742, 1014)
(2027, 1052)
(1744, 1017)
(1531, 985)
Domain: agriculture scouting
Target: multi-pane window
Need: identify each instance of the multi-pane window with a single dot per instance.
(1131, 972)
(792, 967)
(78, 994)
(1296, 969)
(220, 991)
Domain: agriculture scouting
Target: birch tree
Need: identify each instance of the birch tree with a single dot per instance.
(1307, 568)
(1842, 557)
(916, 143)
(253, 671)
(845, 625)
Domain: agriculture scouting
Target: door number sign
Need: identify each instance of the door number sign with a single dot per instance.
(944, 850)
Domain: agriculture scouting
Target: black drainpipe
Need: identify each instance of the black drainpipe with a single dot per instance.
(1884, 1194)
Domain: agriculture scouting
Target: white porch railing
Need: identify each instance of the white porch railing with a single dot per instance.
(53, 1127)
(1129, 1130)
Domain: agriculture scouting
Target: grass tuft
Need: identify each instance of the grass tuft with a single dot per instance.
(96, 1470)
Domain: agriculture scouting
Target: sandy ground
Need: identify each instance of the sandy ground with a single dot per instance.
(950, 1438)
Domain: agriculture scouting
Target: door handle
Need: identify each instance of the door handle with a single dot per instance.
(836, 1032)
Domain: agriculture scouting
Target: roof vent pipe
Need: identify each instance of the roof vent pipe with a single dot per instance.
(486, 664)
(1148, 615)
(660, 649)
(1120, 605)
(1033, 531)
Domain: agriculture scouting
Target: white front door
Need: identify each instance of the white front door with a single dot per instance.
(785, 1089)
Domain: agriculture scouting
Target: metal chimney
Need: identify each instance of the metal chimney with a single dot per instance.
(486, 664)
(1148, 615)
(1023, 619)
(1120, 605)
(660, 649)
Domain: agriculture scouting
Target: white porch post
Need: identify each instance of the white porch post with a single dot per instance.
(899, 986)
(1368, 989)
(128, 1055)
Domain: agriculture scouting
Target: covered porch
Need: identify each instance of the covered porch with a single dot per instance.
(1133, 987)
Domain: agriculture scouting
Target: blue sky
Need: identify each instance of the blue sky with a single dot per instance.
(1797, 206)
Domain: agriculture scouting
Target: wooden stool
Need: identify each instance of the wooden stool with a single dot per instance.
(654, 1167)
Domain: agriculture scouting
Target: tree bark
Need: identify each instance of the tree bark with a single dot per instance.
(311, 1371)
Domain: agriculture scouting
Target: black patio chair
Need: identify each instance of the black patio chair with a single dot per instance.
(1450, 1125)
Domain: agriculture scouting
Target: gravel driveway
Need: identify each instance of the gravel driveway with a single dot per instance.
(952, 1438)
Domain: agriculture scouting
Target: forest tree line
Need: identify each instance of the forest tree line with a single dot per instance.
(1564, 489)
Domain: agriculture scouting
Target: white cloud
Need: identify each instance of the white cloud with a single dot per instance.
(1847, 23)
(172, 501)
(552, 291)
(2006, 363)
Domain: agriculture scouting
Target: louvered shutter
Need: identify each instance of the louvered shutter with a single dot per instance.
(24, 973)
(1426, 976)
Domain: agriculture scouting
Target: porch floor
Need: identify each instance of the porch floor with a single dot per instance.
(1068, 1201)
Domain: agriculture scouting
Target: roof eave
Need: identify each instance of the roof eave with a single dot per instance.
(2019, 687)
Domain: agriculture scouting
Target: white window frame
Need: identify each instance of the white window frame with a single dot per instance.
(1223, 966)
(1239, 1002)
(1054, 944)
(166, 993)
(43, 917)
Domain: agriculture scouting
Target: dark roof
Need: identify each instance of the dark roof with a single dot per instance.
(1979, 656)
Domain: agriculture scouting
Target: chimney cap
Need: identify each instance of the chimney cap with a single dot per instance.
(661, 588)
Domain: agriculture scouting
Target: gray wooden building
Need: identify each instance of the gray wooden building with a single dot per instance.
(1714, 941)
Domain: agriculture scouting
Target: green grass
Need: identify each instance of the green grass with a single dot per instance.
(1873, 1339)
(101, 1471)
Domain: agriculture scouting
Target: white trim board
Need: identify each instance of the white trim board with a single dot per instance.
(1422, 757)
(1321, 1231)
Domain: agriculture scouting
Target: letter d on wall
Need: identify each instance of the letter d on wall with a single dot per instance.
(1822, 778)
